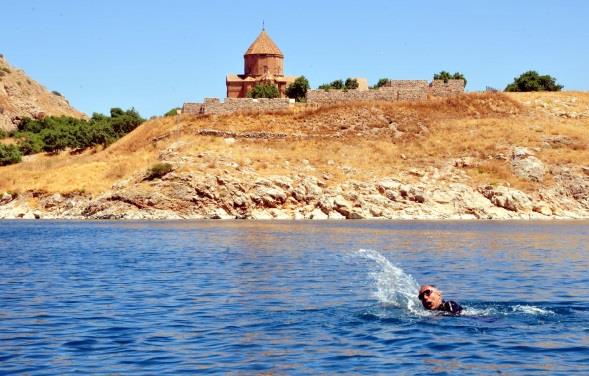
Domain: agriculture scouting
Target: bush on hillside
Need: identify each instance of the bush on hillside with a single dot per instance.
(532, 81)
(56, 133)
(443, 75)
(298, 89)
(9, 154)
(172, 112)
(55, 92)
(158, 170)
(30, 143)
(350, 84)
(264, 90)
(381, 82)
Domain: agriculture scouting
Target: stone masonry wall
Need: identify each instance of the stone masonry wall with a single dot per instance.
(439, 88)
(214, 106)
(395, 90)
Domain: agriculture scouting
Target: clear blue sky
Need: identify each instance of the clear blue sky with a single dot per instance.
(155, 55)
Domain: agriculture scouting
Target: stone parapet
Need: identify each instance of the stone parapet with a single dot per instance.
(394, 90)
(439, 88)
(213, 106)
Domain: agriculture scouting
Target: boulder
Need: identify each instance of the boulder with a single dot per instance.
(260, 214)
(220, 213)
(388, 185)
(542, 208)
(335, 215)
(269, 197)
(525, 165)
(357, 213)
(317, 213)
(507, 198)
(5, 198)
(280, 214)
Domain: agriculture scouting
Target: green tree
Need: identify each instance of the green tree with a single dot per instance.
(9, 154)
(30, 143)
(264, 90)
(337, 84)
(116, 112)
(381, 82)
(351, 84)
(57, 139)
(532, 81)
(443, 75)
(298, 89)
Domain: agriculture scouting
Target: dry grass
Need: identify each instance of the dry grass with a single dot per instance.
(352, 141)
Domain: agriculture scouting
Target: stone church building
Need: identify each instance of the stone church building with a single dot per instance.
(263, 63)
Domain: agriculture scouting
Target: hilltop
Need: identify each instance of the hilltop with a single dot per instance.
(520, 155)
(21, 96)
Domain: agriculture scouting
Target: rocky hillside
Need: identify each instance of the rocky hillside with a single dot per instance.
(20, 96)
(477, 156)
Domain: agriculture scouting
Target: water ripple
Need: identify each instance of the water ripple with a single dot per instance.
(139, 298)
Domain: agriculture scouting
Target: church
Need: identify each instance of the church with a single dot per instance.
(263, 63)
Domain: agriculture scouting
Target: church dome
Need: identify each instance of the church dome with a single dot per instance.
(263, 45)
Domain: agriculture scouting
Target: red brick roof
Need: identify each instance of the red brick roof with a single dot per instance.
(264, 45)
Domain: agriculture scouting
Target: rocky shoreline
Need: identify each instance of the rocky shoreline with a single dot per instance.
(428, 194)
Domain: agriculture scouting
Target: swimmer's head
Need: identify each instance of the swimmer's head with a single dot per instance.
(430, 297)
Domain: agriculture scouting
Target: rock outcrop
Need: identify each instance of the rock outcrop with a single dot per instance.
(525, 165)
(417, 194)
(21, 96)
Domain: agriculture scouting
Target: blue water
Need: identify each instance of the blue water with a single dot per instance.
(138, 298)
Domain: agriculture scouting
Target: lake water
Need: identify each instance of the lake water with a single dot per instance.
(292, 297)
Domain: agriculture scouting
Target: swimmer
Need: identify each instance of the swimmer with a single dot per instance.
(431, 298)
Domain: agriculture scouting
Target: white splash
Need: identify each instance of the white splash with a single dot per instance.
(399, 289)
(531, 310)
(393, 285)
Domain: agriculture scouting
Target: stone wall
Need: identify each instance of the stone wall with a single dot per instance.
(439, 88)
(395, 90)
(214, 106)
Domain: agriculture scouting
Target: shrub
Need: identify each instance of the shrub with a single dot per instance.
(53, 134)
(3, 133)
(298, 89)
(443, 75)
(172, 112)
(337, 84)
(57, 139)
(158, 170)
(351, 84)
(125, 122)
(9, 154)
(381, 82)
(264, 90)
(54, 92)
(30, 143)
(532, 81)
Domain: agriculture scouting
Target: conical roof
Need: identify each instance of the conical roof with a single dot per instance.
(263, 45)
